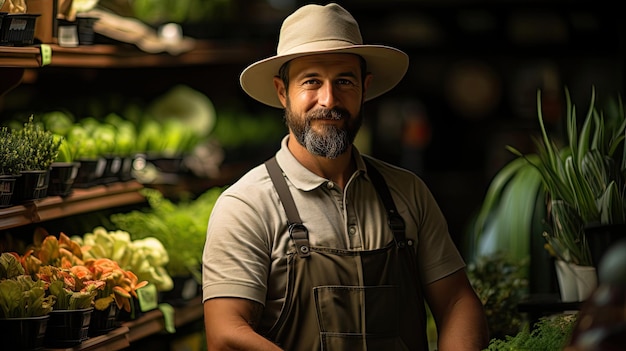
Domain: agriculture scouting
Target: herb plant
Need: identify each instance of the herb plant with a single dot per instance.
(39, 147)
(11, 161)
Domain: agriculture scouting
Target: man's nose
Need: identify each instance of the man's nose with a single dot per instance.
(326, 96)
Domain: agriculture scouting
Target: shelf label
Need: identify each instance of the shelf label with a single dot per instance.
(168, 317)
(148, 298)
(46, 54)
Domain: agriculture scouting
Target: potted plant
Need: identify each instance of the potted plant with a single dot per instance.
(180, 227)
(99, 284)
(58, 263)
(64, 169)
(577, 184)
(38, 148)
(584, 178)
(24, 305)
(119, 292)
(11, 164)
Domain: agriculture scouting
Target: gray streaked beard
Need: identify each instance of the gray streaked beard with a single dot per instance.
(332, 141)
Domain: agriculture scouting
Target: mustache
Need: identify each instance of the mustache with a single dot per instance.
(332, 114)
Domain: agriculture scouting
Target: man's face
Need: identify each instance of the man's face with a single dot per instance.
(323, 102)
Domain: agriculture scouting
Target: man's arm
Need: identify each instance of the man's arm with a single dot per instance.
(229, 325)
(458, 313)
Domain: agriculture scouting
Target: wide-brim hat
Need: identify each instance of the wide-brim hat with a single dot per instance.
(316, 29)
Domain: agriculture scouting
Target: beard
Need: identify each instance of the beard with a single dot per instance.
(328, 141)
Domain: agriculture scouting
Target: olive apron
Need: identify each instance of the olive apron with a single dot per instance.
(347, 300)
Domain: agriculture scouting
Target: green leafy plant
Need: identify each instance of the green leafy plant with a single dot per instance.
(512, 211)
(72, 290)
(548, 334)
(181, 227)
(20, 295)
(79, 282)
(583, 179)
(500, 283)
(145, 257)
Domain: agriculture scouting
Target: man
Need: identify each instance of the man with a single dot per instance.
(323, 248)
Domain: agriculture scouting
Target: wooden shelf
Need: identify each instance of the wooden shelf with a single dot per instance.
(150, 323)
(125, 56)
(23, 57)
(80, 201)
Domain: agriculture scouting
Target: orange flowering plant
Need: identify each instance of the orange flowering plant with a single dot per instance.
(76, 282)
(119, 285)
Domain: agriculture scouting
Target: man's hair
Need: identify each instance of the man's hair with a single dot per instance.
(283, 72)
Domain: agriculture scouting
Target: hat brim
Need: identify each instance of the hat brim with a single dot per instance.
(387, 64)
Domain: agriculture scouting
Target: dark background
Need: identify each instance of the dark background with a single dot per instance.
(476, 67)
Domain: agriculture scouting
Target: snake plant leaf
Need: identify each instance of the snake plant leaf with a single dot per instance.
(611, 206)
(584, 200)
(583, 143)
(595, 168)
(496, 187)
(568, 232)
(509, 214)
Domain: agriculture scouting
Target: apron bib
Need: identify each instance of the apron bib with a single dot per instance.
(345, 300)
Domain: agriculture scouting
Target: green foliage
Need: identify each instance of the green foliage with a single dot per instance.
(146, 257)
(180, 11)
(67, 299)
(181, 227)
(11, 161)
(260, 128)
(548, 334)
(511, 212)
(37, 146)
(20, 296)
(583, 179)
(500, 283)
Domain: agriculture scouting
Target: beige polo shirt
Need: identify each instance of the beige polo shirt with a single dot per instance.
(247, 237)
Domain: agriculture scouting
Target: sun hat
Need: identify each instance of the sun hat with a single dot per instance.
(316, 29)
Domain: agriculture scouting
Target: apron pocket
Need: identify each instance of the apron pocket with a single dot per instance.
(358, 311)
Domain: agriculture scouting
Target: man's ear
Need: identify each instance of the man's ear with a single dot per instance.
(281, 90)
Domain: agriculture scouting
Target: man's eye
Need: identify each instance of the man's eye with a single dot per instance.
(344, 82)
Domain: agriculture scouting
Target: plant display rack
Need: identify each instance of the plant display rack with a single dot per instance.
(15, 63)
(150, 323)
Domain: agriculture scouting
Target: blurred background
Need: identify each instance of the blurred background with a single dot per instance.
(475, 69)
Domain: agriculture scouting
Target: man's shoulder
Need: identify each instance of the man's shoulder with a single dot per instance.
(253, 181)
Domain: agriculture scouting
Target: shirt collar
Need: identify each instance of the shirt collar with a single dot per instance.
(300, 176)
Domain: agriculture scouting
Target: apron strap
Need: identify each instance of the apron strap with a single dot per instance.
(298, 232)
(394, 220)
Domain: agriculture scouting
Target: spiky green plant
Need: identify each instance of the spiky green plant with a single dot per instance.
(583, 179)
